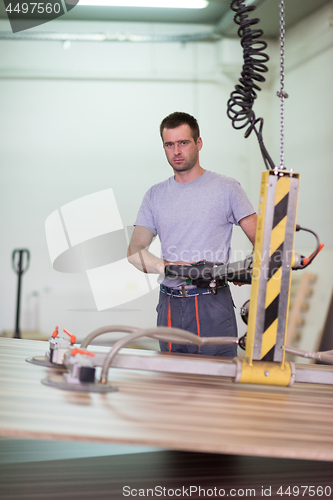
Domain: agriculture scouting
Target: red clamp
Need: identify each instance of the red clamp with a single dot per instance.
(314, 254)
(75, 351)
(55, 333)
(72, 337)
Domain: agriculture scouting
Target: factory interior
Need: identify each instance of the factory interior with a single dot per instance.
(82, 98)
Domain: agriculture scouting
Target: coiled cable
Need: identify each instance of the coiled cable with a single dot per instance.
(240, 103)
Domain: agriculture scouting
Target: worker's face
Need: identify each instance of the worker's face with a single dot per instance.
(181, 150)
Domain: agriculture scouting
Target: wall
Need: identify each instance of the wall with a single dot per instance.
(308, 150)
(77, 121)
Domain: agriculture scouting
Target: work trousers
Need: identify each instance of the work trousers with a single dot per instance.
(208, 315)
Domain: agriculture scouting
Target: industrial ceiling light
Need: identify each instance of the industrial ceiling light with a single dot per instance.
(174, 4)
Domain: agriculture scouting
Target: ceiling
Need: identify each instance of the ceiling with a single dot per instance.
(217, 13)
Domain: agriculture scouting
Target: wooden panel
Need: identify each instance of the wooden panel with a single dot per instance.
(180, 412)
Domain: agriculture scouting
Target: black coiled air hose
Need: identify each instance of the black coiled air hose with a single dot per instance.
(242, 98)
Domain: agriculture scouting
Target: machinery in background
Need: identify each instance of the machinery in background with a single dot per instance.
(301, 294)
(20, 264)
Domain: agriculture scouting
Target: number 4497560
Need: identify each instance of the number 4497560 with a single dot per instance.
(31, 7)
(311, 491)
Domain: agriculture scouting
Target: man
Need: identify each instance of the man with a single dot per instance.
(193, 213)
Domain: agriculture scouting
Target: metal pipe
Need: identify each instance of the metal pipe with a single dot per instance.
(111, 37)
(211, 36)
(167, 334)
(108, 329)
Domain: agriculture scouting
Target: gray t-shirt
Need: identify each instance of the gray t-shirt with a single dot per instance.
(194, 219)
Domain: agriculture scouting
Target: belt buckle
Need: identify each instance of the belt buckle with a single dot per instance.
(180, 292)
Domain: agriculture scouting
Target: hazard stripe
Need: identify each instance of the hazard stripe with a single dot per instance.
(271, 313)
(269, 301)
(278, 235)
(280, 210)
(275, 262)
(270, 355)
(273, 288)
(282, 188)
(274, 271)
(268, 341)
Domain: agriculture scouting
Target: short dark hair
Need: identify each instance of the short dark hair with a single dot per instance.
(178, 118)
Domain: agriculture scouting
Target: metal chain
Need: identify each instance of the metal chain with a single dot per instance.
(282, 93)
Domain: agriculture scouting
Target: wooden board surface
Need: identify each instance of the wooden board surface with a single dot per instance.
(180, 412)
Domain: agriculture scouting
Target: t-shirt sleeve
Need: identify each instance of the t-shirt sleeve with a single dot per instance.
(145, 216)
(240, 205)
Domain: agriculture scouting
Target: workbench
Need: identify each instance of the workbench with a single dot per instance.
(216, 438)
(175, 411)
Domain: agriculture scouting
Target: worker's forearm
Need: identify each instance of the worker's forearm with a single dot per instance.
(146, 262)
(249, 226)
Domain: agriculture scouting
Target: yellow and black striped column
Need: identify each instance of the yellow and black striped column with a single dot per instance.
(272, 266)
